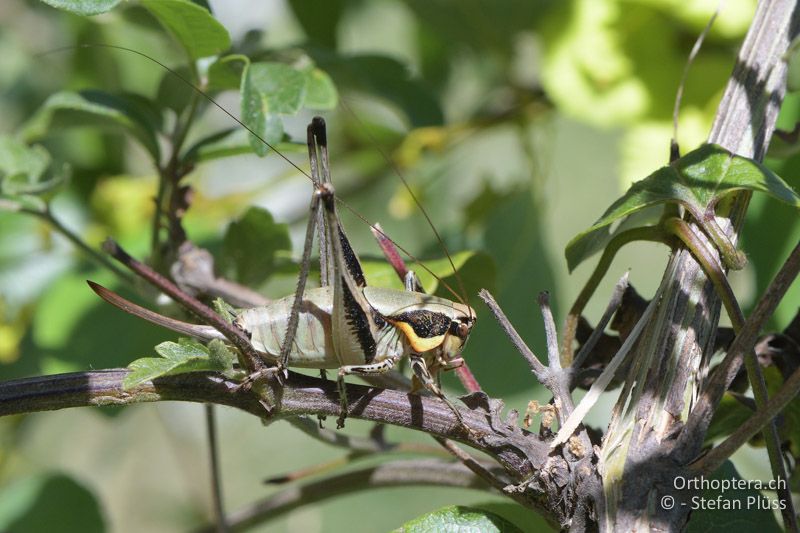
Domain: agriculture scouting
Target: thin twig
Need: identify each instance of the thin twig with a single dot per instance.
(550, 332)
(700, 417)
(674, 151)
(403, 473)
(47, 215)
(250, 359)
(216, 478)
(647, 233)
(478, 469)
(602, 381)
(539, 370)
(591, 342)
(708, 463)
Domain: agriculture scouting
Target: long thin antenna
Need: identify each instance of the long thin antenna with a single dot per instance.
(189, 83)
(422, 209)
(341, 202)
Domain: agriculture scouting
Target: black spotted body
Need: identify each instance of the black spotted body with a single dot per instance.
(407, 322)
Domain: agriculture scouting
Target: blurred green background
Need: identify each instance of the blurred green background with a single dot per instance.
(516, 123)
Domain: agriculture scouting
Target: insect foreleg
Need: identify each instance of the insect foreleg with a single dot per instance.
(420, 369)
(371, 369)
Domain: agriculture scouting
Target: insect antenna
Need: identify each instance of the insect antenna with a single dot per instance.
(459, 295)
(188, 83)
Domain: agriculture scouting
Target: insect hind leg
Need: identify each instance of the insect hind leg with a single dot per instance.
(363, 370)
(316, 141)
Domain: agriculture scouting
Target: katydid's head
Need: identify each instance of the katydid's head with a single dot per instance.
(456, 337)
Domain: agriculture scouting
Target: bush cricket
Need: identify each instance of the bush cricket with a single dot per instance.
(344, 324)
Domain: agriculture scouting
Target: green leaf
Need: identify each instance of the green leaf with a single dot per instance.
(173, 93)
(24, 170)
(458, 519)
(84, 7)
(226, 72)
(224, 358)
(115, 112)
(251, 244)
(270, 89)
(176, 358)
(43, 503)
(743, 509)
(321, 92)
(200, 34)
(697, 181)
(224, 309)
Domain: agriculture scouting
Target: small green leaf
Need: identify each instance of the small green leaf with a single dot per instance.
(25, 170)
(116, 112)
(173, 92)
(459, 519)
(321, 92)
(281, 88)
(176, 358)
(84, 7)
(251, 245)
(200, 34)
(268, 90)
(226, 72)
(224, 358)
(224, 309)
(697, 181)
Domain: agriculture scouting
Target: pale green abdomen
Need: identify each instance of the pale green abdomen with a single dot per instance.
(312, 346)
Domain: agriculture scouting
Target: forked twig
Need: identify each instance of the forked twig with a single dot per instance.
(591, 342)
(539, 370)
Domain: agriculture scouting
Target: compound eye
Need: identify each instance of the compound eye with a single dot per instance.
(463, 330)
